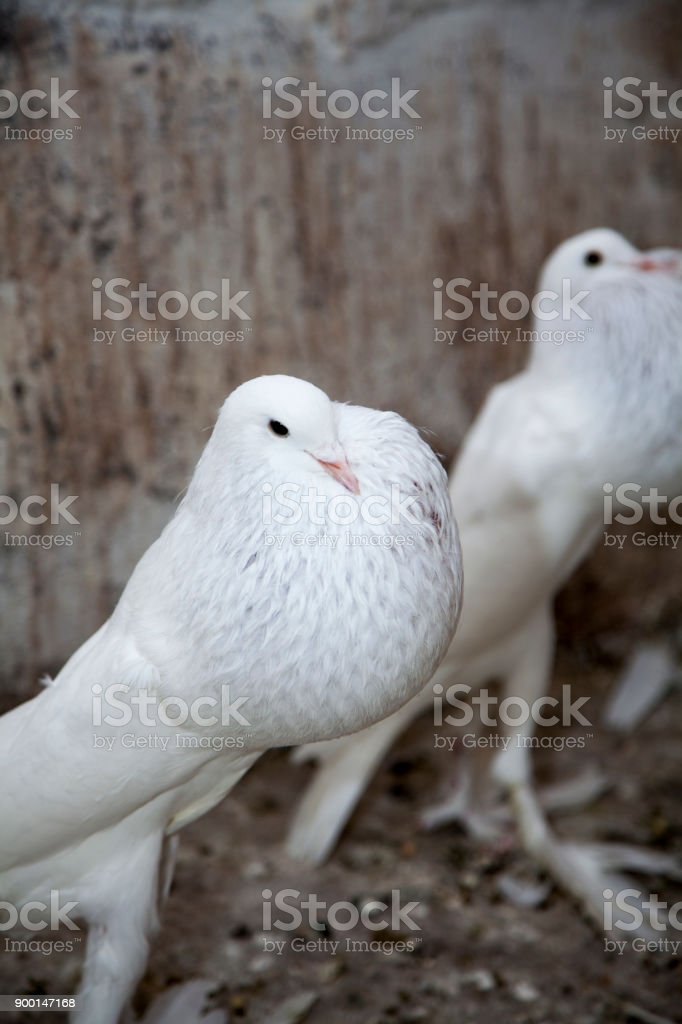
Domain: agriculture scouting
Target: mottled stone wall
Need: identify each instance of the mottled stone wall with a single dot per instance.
(168, 180)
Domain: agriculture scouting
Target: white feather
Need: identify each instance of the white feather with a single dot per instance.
(316, 640)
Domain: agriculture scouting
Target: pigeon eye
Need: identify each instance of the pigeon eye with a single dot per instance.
(593, 258)
(278, 428)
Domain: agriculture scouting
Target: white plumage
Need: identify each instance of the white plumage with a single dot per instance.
(527, 490)
(314, 639)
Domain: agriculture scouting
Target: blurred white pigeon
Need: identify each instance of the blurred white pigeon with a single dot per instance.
(264, 584)
(185, 1004)
(528, 492)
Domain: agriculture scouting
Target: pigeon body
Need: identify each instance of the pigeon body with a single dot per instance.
(317, 624)
(528, 490)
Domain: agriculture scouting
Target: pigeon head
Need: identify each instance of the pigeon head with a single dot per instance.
(288, 426)
(592, 255)
(600, 255)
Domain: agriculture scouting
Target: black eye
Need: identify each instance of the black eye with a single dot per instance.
(593, 258)
(278, 428)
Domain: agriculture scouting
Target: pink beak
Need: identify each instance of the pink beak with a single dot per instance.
(336, 464)
(647, 263)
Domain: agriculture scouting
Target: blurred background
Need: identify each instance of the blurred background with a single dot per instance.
(168, 180)
(165, 174)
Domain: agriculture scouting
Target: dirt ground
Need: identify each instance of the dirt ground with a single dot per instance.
(477, 959)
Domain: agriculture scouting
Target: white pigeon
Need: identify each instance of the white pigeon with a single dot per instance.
(528, 490)
(317, 621)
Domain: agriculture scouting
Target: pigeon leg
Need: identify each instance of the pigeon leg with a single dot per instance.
(118, 937)
(566, 864)
(528, 680)
(480, 812)
(585, 870)
(588, 871)
(347, 765)
(486, 823)
(575, 793)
